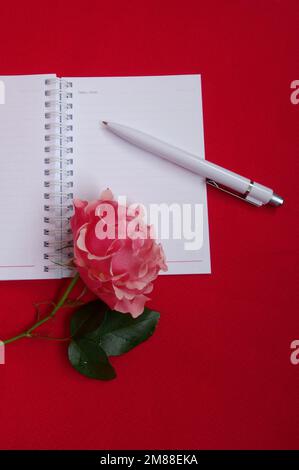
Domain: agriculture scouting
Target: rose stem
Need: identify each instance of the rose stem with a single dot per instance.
(60, 303)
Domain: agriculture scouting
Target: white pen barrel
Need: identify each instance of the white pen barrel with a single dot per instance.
(255, 192)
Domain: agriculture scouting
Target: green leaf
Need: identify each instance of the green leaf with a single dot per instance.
(98, 332)
(88, 358)
(119, 332)
(85, 354)
(88, 318)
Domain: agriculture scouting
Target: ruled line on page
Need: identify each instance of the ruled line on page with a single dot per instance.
(21, 266)
(185, 261)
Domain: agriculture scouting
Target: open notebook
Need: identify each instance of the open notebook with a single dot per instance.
(52, 148)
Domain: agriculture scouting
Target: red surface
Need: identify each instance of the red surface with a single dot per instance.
(217, 374)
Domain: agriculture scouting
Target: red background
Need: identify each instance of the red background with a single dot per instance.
(217, 373)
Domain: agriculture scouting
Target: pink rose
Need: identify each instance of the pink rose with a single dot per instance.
(117, 262)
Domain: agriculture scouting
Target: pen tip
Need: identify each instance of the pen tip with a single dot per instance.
(105, 122)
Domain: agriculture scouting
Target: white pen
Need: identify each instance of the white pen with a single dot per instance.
(225, 180)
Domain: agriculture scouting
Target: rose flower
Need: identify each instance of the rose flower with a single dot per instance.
(115, 253)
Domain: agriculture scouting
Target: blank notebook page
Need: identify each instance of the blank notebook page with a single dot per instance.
(168, 107)
(22, 137)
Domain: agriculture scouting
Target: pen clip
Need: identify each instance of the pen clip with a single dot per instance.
(227, 191)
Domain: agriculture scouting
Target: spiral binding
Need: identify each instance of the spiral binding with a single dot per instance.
(58, 174)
